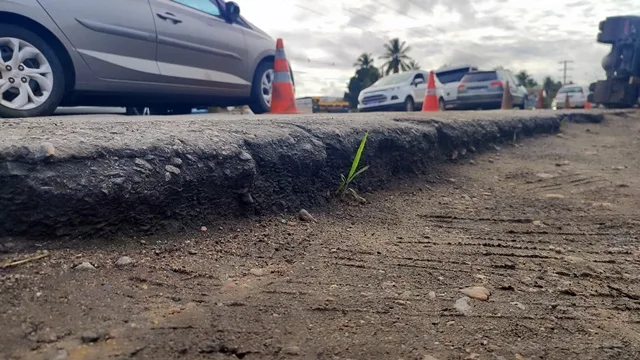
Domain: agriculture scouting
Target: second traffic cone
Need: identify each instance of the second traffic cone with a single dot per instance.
(431, 98)
(283, 100)
(507, 98)
(567, 104)
(587, 105)
(540, 101)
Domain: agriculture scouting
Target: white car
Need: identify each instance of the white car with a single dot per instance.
(577, 95)
(405, 91)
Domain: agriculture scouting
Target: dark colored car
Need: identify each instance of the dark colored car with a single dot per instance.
(484, 90)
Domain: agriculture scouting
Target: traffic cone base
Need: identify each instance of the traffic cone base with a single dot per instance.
(507, 98)
(430, 102)
(283, 100)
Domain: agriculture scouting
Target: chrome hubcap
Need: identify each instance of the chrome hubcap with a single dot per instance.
(26, 78)
(265, 86)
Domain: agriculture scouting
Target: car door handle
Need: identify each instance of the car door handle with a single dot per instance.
(169, 17)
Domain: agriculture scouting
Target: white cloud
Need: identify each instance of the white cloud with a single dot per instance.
(323, 38)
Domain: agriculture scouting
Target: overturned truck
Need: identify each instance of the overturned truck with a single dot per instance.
(621, 89)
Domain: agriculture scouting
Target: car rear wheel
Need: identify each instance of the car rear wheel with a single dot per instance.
(409, 105)
(441, 104)
(32, 81)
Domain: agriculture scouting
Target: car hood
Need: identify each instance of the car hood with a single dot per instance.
(378, 89)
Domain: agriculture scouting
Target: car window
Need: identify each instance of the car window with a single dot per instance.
(206, 6)
(392, 79)
(418, 76)
(480, 76)
(452, 76)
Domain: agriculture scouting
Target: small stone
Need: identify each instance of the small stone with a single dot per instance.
(259, 272)
(61, 354)
(618, 168)
(462, 305)
(491, 161)
(560, 135)
(143, 164)
(305, 216)
(245, 156)
(477, 292)
(90, 337)
(471, 162)
(472, 149)
(172, 169)
(175, 161)
(463, 151)
(538, 223)
(520, 357)
(564, 163)
(192, 252)
(432, 295)
(167, 176)
(292, 350)
(124, 261)
(554, 196)
(291, 223)
(454, 155)
(602, 205)
(518, 305)
(428, 357)
(203, 229)
(406, 295)
(574, 259)
(85, 266)
(545, 175)
(46, 150)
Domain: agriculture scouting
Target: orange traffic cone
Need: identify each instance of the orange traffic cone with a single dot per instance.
(283, 100)
(507, 98)
(587, 105)
(540, 102)
(431, 98)
(567, 104)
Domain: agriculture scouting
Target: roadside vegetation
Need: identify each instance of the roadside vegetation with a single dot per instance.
(345, 181)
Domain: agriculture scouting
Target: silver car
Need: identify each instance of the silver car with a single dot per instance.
(168, 55)
(484, 90)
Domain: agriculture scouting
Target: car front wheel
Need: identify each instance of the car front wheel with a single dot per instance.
(409, 105)
(32, 81)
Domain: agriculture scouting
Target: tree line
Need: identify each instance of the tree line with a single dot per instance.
(396, 59)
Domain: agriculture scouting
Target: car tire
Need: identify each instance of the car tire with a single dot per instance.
(441, 105)
(259, 103)
(409, 104)
(51, 82)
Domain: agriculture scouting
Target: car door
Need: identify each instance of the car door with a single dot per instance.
(116, 38)
(197, 47)
(419, 87)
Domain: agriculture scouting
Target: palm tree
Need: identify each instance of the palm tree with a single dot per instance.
(395, 54)
(413, 65)
(365, 61)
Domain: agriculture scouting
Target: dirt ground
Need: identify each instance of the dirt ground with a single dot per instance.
(550, 226)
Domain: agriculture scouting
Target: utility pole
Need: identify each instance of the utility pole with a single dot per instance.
(564, 70)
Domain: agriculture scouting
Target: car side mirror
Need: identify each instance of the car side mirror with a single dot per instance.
(232, 11)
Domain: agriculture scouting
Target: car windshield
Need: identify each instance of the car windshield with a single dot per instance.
(480, 77)
(574, 89)
(394, 79)
(452, 76)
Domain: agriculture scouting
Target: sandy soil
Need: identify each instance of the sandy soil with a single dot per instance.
(549, 226)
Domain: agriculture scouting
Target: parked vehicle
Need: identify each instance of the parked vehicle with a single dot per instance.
(621, 88)
(484, 90)
(447, 81)
(167, 55)
(577, 96)
(401, 91)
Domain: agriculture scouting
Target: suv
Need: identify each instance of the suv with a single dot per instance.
(168, 55)
(484, 90)
(402, 91)
(447, 81)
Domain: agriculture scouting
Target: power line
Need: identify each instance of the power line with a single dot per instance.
(394, 9)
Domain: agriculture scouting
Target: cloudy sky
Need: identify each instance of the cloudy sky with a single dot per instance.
(323, 38)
